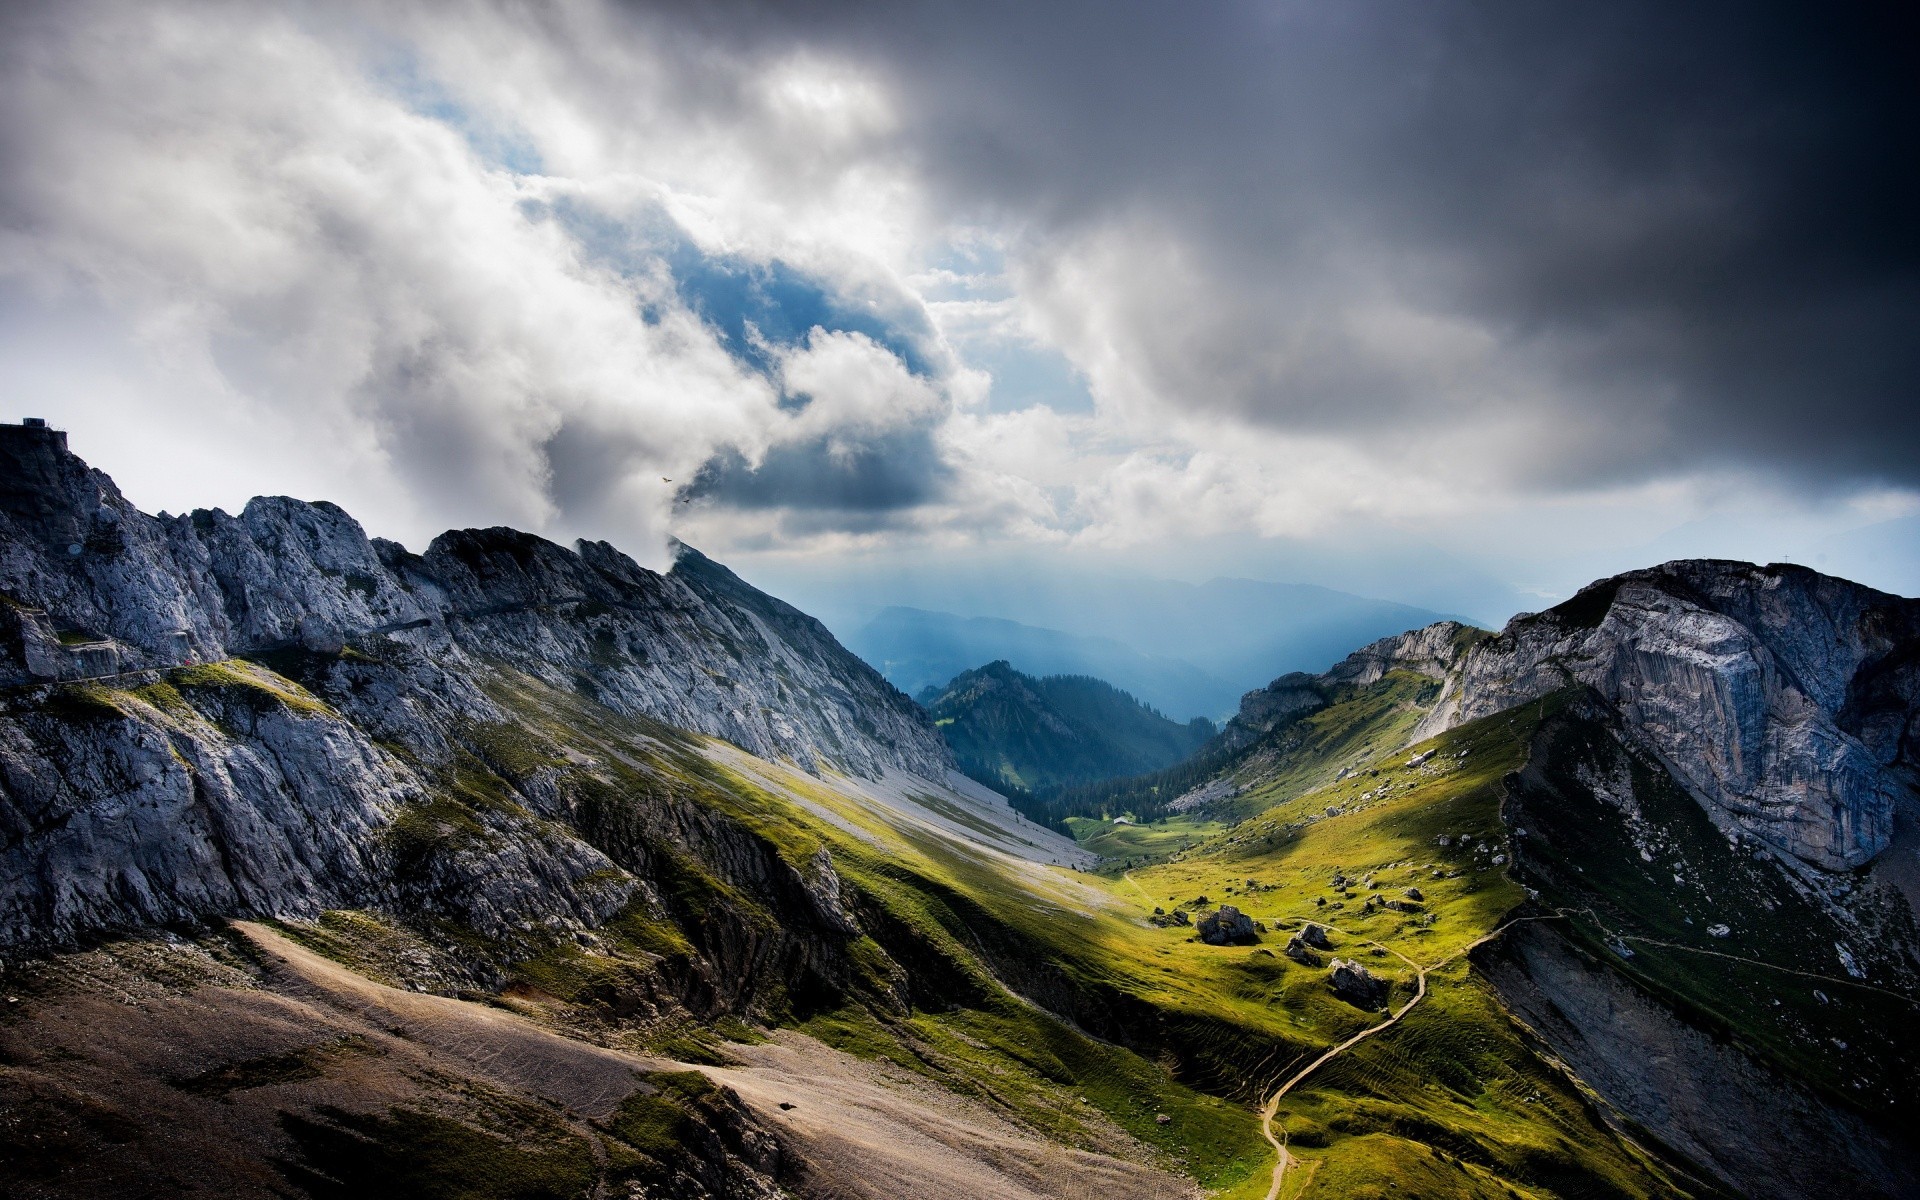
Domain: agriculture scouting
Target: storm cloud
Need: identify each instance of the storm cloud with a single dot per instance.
(1090, 272)
(1638, 238)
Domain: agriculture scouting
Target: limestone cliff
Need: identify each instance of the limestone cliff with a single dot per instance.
(93, 586)
(1783, 699)
(132, 795)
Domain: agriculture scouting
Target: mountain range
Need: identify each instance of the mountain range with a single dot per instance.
(1187, 649)
(507, 869)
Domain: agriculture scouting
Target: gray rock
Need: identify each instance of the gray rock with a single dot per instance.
(1315, 935)
(1298, 950)
(1353, 983)
(1227, 926)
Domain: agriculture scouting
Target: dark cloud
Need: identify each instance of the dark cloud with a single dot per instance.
(875, 476)
(1685, 232)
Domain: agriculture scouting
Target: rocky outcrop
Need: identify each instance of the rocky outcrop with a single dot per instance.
(1298, 950)
(1782, 698)
(1432, 651)
(1227, 926)
(1751, 1130)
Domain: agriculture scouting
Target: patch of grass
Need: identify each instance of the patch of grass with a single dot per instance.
(83, 702)
(251, 684)
(433, 826)
(657, 1119)
(1157, 839)
(165, 697)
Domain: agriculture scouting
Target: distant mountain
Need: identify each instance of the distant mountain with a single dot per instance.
(916, 649)
(1013, 730)
(1185, 648)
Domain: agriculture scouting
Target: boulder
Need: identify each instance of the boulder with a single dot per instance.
(1227, 926)
(1414, 893)
(1352, 982)
(1315, 936)
(1298, 951)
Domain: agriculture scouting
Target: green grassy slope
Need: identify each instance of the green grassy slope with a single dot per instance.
(1032, 987)
(1453, 1102)
(1049, 994)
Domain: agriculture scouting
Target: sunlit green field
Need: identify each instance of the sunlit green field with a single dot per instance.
(1122, 842)
(1058, 1002)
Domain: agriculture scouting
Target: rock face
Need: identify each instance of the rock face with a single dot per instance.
(1353, 983)
(696, 647)
(1785, 700)
(223, 787)
(1227, 926)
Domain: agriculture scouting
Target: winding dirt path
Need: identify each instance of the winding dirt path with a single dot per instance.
(1283, 1159)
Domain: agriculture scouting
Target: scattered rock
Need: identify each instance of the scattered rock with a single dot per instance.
(1298, 951)
(1315, 936)
(1414, 893)
(1719, 931)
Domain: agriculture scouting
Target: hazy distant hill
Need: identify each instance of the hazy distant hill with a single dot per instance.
(917, 649)
(1187, 649)
(1010, 729)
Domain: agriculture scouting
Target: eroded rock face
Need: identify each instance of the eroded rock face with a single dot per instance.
(1433, 651)
(224, 788)
(1780, 697)
(696, 647)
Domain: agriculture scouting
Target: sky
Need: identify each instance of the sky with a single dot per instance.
(1458, 304)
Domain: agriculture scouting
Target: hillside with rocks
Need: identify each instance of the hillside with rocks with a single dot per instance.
(510, 870)
(1716, 803)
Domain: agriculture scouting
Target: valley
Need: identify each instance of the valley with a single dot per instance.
(508, 870)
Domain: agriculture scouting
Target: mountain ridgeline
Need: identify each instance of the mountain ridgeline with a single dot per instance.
(1703, 777)
(1016, 733)
(507, 870)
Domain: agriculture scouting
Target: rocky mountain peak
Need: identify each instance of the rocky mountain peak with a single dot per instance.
(1784, 699)
(94, 587)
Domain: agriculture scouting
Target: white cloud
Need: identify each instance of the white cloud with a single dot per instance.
(412, 258)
